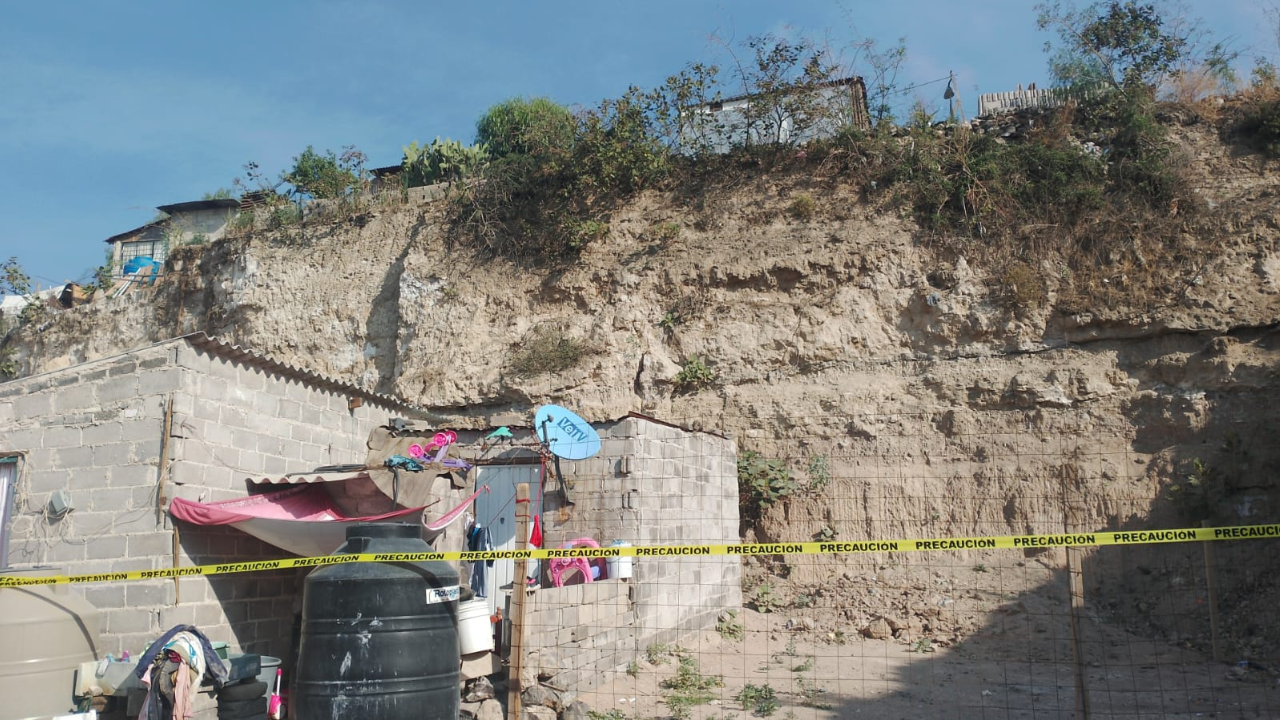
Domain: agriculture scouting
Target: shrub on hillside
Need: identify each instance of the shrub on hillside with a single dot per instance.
(526, 126)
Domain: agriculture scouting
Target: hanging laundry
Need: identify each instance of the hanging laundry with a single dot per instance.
(479, 540)
(534, 574)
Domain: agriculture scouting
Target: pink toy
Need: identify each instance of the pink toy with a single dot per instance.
(417, 451)
(557, 567)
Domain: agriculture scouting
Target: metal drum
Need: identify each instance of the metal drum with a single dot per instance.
(379, 640)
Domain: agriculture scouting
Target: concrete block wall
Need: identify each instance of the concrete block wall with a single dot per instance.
(581, 635)
(95, 431)
(654, 484)
(234, 421)
(688, 494)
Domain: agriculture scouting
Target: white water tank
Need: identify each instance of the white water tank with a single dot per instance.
(46, 631)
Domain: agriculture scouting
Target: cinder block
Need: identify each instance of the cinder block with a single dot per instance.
(24, 439)
(145, 451)
(210, 615)
(290, 410)
(205, 410)
(58, 436)
(36, 405)
(117, 389)
(143, 429)
(134, 475)
(73, 458)
(233, 417)
(150, 593)
(105, 596)
(152, 544)
(105, 500)
(182, 614)
(120, 453)
(102, 433)
(156, 382)
(6, 412)
(108, 547)
(66, 552)
(297, 391)
(130, 620)
(131, 564)
(46, 481)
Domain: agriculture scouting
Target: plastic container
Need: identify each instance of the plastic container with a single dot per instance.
(620, 567)
(267, 672)
(379, 640)
(46, 633)
(475, 629)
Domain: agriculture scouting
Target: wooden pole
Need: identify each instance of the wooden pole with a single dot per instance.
(164, 461)
(1075, 589)
(164, 477)
(1212, 592)
(1077, 646)
(519, 588)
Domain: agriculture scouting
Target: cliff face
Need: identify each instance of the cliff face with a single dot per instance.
(906, 394)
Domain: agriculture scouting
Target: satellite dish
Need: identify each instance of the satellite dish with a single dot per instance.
(565, 434)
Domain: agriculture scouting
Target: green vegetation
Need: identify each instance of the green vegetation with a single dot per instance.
(657, 653)
(1260, 126)
(764, 600)
(730, 627)
(761, 482)
(219, 194)
(548, 348)
(535, 127)
(819, 469)
(327, 176)
(802, 207)
(689, 687)
(759, 700)
(447, 161)
(693, 376)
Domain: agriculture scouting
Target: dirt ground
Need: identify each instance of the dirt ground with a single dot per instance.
(1016, 662)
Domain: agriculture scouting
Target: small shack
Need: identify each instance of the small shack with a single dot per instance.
(199, 220)
(98, 452)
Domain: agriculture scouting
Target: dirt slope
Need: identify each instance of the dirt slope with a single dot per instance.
(934, 407)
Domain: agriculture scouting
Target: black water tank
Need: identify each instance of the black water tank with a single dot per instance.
(378, 640)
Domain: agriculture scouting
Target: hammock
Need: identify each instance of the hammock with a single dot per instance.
(302, 520)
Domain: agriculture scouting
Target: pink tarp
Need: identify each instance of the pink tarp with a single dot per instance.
(303, 520)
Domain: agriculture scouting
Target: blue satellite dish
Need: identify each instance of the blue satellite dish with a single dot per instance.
(565, 434)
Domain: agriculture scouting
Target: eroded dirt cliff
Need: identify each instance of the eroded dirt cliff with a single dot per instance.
(905, 392)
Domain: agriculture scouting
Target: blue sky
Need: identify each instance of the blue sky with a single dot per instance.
(110, 109)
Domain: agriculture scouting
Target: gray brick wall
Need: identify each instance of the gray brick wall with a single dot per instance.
(650, 484)
(95, 430)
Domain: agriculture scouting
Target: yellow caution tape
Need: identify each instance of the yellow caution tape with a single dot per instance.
(1129, 537)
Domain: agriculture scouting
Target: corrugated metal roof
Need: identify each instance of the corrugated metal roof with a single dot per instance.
(127, 233)
(194, 205)
(251, 358)
(308, 478)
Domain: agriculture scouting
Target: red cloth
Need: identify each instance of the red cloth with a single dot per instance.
(303, 502)
(535, 537)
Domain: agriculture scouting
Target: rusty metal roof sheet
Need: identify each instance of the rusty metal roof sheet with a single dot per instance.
(236, 353)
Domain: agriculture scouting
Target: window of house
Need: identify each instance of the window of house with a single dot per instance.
(8, 487)
(154, 249)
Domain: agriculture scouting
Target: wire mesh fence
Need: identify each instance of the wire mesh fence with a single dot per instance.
(1150, 629)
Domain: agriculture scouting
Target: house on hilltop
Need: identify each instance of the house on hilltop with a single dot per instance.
(184, 222)
(722, 125)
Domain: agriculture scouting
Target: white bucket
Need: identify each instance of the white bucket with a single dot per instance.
(618, 567)
(475, 632)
